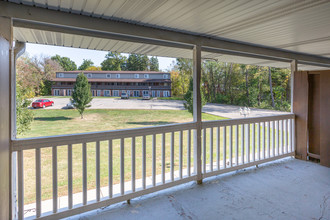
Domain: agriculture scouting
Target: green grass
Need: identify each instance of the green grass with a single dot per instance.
(57, 122)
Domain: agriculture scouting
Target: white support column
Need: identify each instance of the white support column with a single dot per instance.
(6, 62)
(197, 114)
(294, 67)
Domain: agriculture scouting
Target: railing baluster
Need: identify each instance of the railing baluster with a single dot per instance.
(38, 182)
(264, 140)
(253, 142)
(188, 151)
(268, 140)
(230, 145)
(224, 146)
(289, 136)
(20, 180)
(133, 164)
(110, 175)
(293, 135)
(273, 138)
(236, 145)
(84, 165)
(54, 166)
(258, 139)
(153, 160)
(97, 171)
(286, 135)
(242, 143)
(70, 192)
(180, 154)
(218, 148)
(172, 156)
(163, 158)
(282, 138)
(204, 150)
(248, 144)
(277, 137)
(144, 163)
(122, 167)
(211, 149)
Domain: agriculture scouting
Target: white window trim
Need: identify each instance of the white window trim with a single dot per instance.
(89, 75)
(108, 75)
(56, 91)
(146, 76)
(115, 92)
(136, 76)
(106, 93)
(165, 76)
(136, 91)
(61, 75)
(118, 76)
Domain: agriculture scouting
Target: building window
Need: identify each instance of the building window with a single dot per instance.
(145, 92)
(166, 93)
(61, 75)
(153, 93)
(115, 93)
(146, 76)
(158, 93)
(108, 75)
(69, 92)
(106, 92)
(136, 76)
(89, 75)
(165, 76)
(136, 93)
(98, 93)
(56, 92)
(118, 76)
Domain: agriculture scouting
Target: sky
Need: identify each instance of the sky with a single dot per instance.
(77, 55)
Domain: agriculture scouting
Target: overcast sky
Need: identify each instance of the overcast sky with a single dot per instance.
(77, 55)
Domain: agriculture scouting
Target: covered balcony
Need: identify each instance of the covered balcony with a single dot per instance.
(195, 170)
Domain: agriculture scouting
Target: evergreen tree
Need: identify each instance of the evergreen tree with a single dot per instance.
(86, 64)
(81, 96)
(153, 64)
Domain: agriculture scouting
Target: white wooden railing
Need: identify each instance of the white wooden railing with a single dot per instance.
(224, 149)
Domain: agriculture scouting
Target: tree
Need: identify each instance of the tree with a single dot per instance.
(113, 61)
(94, 68)
(137, 62)
(81, 96)
(188, 97)
(24, 116)
(66, 63)
(271, 86)
(153, 64)
(86, 64)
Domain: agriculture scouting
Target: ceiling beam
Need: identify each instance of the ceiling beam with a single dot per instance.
(79, 23)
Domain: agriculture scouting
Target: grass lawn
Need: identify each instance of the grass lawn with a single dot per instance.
(56, 122)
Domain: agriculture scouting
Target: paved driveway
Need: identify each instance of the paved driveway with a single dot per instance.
(229, 111)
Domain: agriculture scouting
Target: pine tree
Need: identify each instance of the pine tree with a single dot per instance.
(81, 96)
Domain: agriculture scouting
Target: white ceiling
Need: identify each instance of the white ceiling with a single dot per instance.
(297, 25)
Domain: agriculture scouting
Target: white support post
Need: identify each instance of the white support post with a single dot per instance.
(294, 68)
(6, 64)
(197, 108)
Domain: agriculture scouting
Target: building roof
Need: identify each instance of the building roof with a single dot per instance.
(111, 80)
(300, 28)
(114, 72)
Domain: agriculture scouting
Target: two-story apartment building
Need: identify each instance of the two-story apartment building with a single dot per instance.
(113, 83)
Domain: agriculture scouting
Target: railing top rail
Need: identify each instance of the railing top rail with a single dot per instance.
(48, 141)
(228, 122)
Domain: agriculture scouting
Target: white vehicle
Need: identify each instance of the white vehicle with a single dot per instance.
(70, 105)
(124, 95)
(146, 97)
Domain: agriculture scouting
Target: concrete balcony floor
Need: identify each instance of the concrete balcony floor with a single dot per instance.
(284, 189)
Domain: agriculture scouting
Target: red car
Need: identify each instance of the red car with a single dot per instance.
(42, 103)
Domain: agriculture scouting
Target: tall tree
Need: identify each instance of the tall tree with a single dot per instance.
(81, 95)
(189, 98)
(271, 86)
(66, 63)
(113, 61)
(85, 64)
(153, 64)
(24, 116)
(137, 62)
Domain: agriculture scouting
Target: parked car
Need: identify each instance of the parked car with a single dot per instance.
(42, 103)
(124, 95)
(70, 105)
(146, 97)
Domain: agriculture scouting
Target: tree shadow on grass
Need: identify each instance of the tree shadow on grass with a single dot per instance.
(152, 123)
(60, 118)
